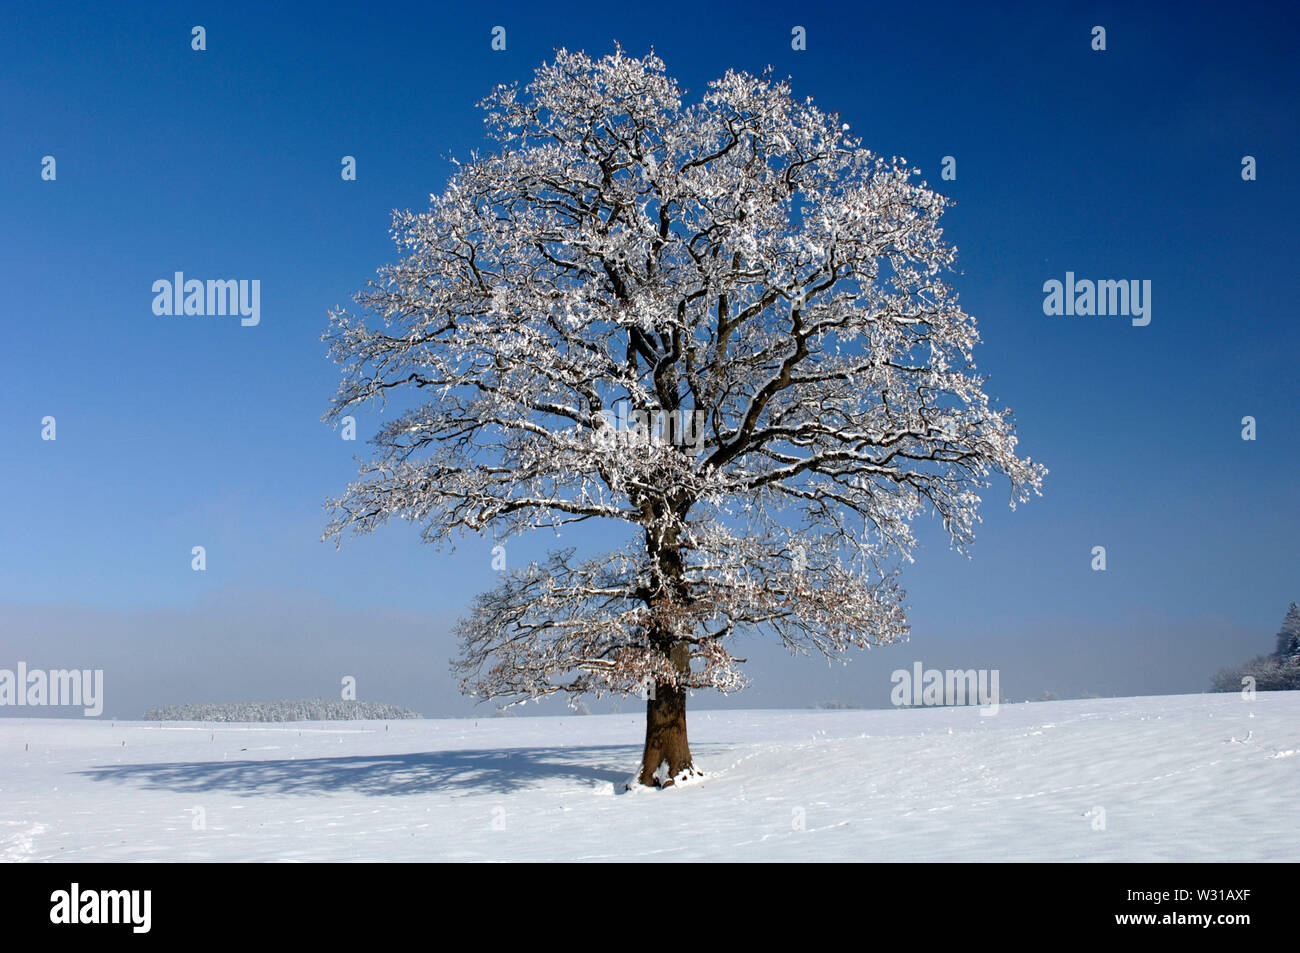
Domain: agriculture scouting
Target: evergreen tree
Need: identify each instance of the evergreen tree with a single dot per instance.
(1288, 639)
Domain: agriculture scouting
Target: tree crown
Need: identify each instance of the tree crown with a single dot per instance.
(739, 267)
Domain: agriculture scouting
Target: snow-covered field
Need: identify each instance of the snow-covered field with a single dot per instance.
(1191, 777)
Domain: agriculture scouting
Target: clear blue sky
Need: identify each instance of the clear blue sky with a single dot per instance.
(175, 432)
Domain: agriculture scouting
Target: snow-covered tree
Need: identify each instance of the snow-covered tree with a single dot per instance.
(303, 709)
(723, 325)
(1279, 672)
(1269, 674)
(1288, 637)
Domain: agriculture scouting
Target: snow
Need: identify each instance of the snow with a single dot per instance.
(1192, 777)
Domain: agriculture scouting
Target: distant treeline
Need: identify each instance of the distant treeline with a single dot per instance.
(308, 709)
(1278, 672)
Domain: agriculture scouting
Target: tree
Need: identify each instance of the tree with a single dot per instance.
(1279, 672)
(723, 326)
(1288, 637)
(1269, 674)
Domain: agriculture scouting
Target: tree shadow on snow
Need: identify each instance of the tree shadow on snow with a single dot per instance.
(494, 770)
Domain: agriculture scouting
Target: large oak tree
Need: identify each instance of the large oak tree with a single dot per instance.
(740, 264)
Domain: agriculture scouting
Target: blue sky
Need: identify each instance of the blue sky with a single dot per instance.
(175, 432)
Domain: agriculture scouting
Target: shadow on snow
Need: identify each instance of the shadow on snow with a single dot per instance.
(489, 770)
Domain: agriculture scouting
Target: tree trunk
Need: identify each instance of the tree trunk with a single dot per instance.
(665, 730)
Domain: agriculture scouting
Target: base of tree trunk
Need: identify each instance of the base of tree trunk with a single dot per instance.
(662, 779)
(666, 760)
